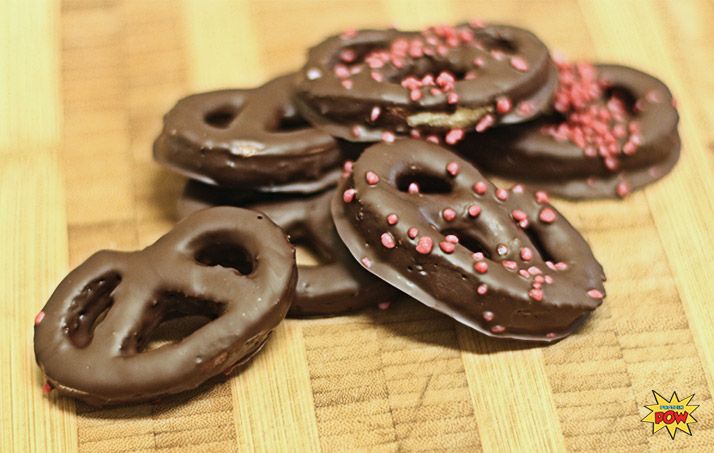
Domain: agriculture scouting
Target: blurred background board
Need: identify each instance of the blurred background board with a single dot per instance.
(83, 86)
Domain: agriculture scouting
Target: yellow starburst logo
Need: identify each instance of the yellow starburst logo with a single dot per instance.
(673, 414)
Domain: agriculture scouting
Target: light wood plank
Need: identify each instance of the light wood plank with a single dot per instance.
(683, 203)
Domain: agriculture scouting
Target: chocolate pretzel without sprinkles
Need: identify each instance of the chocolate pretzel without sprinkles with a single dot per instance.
(503, 262)
(232, 266)
(373, 84)
(614, 131)
(248, 139)
(337, 284)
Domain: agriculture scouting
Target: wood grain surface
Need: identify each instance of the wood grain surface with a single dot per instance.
(83, 86)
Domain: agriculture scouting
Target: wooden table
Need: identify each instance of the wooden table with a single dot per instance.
(82, 90)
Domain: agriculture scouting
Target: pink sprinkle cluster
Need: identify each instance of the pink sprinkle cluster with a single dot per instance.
(599, 126)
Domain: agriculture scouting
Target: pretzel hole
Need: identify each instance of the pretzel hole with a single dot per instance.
(221, 117)
(175, 317)
(469, 240)
(220, 251)
(289, 120)
(539, 246)
(429, 183)
(89, 308)
(306, 254)
(623, 95)
(500, 44)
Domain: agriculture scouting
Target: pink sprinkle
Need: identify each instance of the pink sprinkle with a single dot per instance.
(518, 188)
(541, 197)
(536, 294)
(376, 76)
(388, 240)
(371, 177)
(549, 279)
(448, 214)
(349, 195)
(595, 294)
(524, 273)
(384, 305)
(478, 256)
(550, 265)
(474, 210)
(518, 215)
(413, 188)
(447, 247)
(526, 254)
(452, 238)
(622, 189)
(415, 95)
(433, 139)
(367, 262)
(481, 267)
(561, 266)
(46, 388)
(454, 136)
(523, 223)
(502, 194)
(452, 98)
(412, 232)
(453, 168)
(414, 133)
(479, 62)
(482, 290)
(376, 111)
(392, 219)
(551, 335)
(547, 215)
(510, 265)
(488, 315)
(480, 187)
(533, 270)
(519, 63)
(347, 83)
(347, 167)
(356, 131)
(503, 105)
(388, 137)
(485, 122)
(425, 245)
(40, 316)
(498, 329)
(526, 108)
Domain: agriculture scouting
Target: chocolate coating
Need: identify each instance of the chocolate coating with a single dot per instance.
(536, 280)
(348, 76)
(248, 139)
(337, 284)
(533, 153)
(233, 266)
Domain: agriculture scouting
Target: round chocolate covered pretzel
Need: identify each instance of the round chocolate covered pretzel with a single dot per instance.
(337, 284)
(248, 139)
(373, 84)
(503, 262)
(614, 131)
(232, 266)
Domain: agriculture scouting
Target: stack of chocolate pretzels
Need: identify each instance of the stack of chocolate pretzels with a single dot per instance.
(371, 157)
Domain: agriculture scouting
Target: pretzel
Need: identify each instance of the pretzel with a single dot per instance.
(337, 284)
(614, 131)
(503, 262)
(230, 265)
(248, 139)
(372, 84)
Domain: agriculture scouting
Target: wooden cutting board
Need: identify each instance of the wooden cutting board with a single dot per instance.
(82, 90)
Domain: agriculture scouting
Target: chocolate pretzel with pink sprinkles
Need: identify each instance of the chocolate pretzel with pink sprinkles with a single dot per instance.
(504, 262)
(614, 130)
(248, 139)
(438, 83)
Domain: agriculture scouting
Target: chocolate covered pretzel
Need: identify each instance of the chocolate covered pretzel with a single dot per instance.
(503, 262)
(336, 284)
(248, 139)
(441, 82)
(232, 266)
(614, 131)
